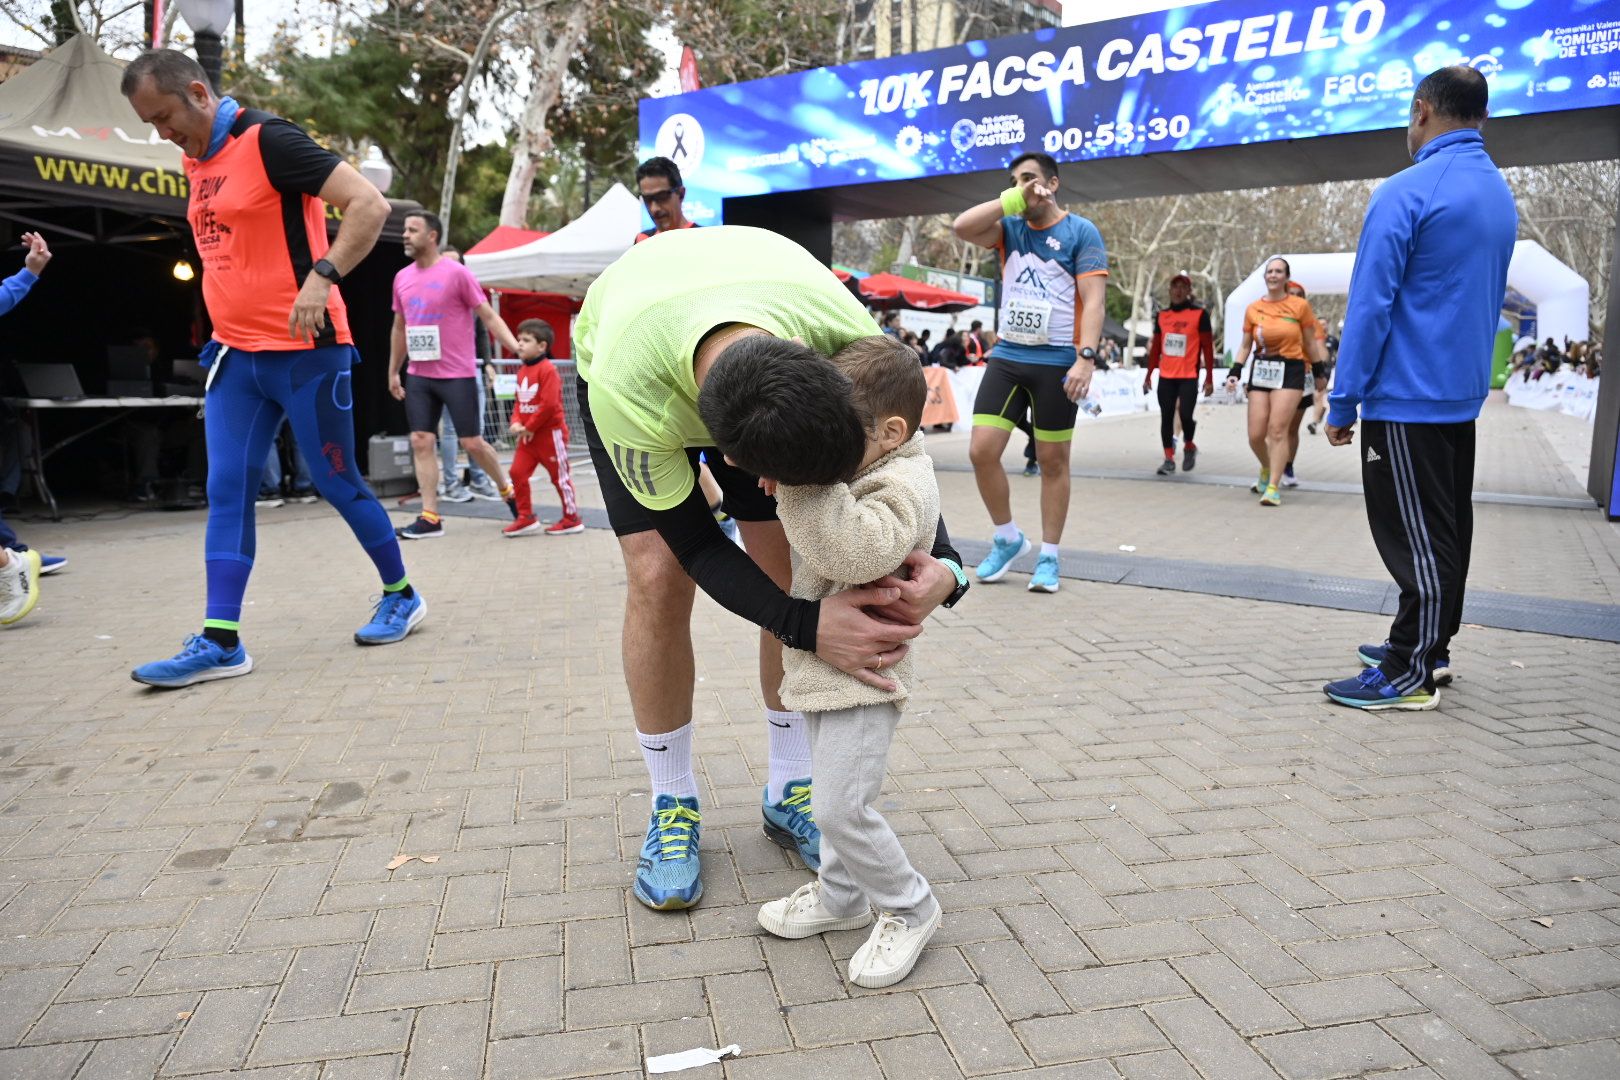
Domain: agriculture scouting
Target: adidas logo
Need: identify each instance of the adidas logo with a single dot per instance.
(1372, 456)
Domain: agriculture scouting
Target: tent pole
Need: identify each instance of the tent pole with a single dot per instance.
(1603, 472)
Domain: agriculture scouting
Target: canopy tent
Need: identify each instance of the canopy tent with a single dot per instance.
(1560, 294)
(66, 132)
(568, 260)
(891, 292)
(516, 305)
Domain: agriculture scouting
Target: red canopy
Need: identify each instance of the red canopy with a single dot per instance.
(502, 238)
(889, 292)
(515, 305)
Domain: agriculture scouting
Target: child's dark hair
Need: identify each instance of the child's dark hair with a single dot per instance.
(888, 380)
(779, 410)
(540, 330)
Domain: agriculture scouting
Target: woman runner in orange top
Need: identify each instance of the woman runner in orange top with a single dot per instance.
(1280, 331)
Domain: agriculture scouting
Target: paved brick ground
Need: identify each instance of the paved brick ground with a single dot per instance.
(1161, 854)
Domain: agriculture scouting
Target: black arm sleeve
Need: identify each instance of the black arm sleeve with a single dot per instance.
(942, 544)
(730, 577)
(294, 163)
(1203, 323)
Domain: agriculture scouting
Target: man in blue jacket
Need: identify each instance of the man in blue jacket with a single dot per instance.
(1431, 271)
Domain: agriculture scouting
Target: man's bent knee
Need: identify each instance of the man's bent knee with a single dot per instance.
(423, 440)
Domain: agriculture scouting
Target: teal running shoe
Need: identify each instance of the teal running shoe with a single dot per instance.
(1045, 577)
(1373, 692)
(396, 616)
(1373, 656)
(198, 661)
(791, 824)
(1002, 553)
(667, 875)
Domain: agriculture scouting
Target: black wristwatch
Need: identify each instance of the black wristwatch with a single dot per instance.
(961, 583)
(1088, 353)
(327, 271)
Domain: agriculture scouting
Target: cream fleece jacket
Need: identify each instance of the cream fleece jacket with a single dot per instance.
(851, 534)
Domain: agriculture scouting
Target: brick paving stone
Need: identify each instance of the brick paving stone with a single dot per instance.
(829, 1023)
(218, 1034)
(1584, 1061)
(1350, 1050)
(1342, 1001)
(126, 1059)
(43, 1062)
(1567, 1017)
(317, 983)
(26, 995)
(844, 1062)
(1014, 980)
(978, 1035)
(78, 1021)
(1482, 1023)
(528, 997)
(1238, 998)
(411, 989)
(1568, 972)
(669, 999)
(331, 1037)
(448, 1040)
(1206, 1041)
(574, 1053)
(1108, 1033)
(917, 1055)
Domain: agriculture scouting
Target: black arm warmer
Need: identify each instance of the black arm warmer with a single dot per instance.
(942, 544)
(730, 577)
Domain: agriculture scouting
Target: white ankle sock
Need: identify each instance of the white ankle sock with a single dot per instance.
(1048, 549)
(669, 761)
(1008, 532)
(789, 751)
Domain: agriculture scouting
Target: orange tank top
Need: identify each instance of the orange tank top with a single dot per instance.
(257, 245)
(1179, 342)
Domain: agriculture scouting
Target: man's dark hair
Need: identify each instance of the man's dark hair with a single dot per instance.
(431, 220)
(660, 166)
(977, 324)
(1045, 162)
(887, 380)
(172, 72)
(781, 410)
(1457, 93)
(540, 330)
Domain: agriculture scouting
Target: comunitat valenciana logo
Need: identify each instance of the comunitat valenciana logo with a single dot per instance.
(680, 138)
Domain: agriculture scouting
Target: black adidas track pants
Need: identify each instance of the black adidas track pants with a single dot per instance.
(1418, 481)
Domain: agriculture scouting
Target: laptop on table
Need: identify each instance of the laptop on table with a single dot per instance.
(56, 382)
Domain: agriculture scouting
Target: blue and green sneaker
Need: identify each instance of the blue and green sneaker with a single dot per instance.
(791, 824)
(1372, 691)
(667, 875)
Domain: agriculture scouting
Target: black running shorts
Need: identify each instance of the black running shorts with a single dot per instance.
(741, 494)
(1293, 374)
(1011, 386)
(426, 400)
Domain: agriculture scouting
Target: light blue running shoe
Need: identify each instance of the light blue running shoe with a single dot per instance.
(199, 661)
(667, 876)
(1045, 578)
(791, 824)
(1002, 553)
(396, 616)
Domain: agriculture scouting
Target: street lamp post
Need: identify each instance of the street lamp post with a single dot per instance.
(208, 19)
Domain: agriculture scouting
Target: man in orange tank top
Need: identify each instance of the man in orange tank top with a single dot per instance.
(281, 346)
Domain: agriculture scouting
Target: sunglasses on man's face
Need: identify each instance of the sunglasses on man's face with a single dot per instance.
(658, 198)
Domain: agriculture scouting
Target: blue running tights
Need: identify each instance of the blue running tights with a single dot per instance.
(250, 395)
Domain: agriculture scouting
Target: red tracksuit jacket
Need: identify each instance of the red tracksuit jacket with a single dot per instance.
(539, 397)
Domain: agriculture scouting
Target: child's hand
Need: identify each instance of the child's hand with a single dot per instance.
(524, 435)
(768, 487)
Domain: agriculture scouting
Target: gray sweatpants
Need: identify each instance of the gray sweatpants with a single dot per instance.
(862, 861)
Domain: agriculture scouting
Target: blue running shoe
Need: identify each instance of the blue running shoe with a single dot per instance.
(667, 875)
(199, 661)
(396, 616)
(1372, 692)
(1373, 656)
(1002, 553)
(50, 564)
(1045, 577)
(791, 824)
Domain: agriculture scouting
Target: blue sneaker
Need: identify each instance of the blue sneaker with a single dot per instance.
(50, 564)
(1045, 577)
(791, 824)
(1373, 656)
(199, 661)
(1371, 691)
(1002, 553)
(667, 875)
(396, 616)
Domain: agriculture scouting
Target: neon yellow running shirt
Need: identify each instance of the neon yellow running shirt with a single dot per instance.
(643, 318)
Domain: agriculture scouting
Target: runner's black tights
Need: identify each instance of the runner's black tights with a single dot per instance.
(1174, 393)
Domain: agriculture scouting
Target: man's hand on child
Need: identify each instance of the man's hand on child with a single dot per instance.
(926, 584)
(768, 487)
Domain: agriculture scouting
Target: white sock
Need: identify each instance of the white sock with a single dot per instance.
(789, 751)
(1008, 532)
(669, 761)
(1048, 549)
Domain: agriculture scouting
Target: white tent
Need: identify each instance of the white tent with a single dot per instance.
(1561, 295)
(568, 260)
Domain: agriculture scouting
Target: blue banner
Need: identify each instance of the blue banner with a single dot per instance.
(1216, 74)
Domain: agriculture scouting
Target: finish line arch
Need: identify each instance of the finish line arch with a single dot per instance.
(1206, 97)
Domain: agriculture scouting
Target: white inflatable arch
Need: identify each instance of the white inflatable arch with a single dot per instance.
(1561, 296)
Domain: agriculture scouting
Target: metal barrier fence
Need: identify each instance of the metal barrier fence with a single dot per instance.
(499, 398)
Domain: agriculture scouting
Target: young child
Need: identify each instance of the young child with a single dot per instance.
(542, 433)
(849, 534)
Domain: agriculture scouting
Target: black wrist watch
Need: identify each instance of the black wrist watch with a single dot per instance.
(327, 271)
(961, 583)
(1088, 353)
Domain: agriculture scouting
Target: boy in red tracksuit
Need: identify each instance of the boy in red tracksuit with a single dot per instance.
(542, 433)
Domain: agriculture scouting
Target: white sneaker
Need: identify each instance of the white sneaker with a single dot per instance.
(19, 586)
(801, 915)
(456, 492)
(891, 952)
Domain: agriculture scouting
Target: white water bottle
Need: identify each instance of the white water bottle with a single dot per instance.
(1090, 408)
